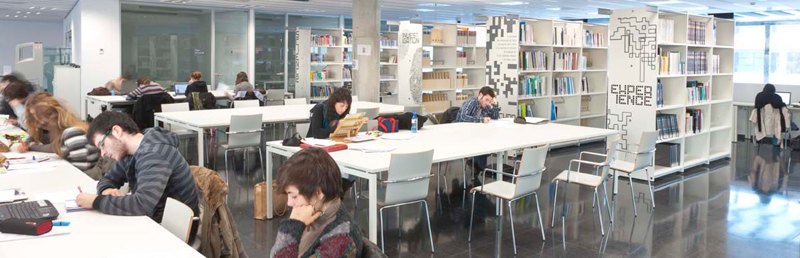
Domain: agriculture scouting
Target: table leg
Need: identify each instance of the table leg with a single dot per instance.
(373, 207)
(268, 177)
(201, 140)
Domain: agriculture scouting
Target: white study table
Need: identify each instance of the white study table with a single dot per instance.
(94, 104)
(199, 120)
(449, 142)
(94, 234)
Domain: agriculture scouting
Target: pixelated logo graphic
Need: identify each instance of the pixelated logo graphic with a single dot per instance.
(620, 123)
(638, 36)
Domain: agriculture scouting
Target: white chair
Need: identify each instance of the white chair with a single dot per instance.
(585, 179)
(371, 114)
(525, 181)
(275, 97)
(298, 101)
(355, 98)
(408, 179)
(245, 133)
(644, 158)
(302, 129)
(245, 103)
(183, 134)
(178, 219)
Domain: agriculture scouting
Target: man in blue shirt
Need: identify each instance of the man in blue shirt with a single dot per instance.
(479, 109)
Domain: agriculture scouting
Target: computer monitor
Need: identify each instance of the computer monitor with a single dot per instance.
(180, 88)
(786, 96)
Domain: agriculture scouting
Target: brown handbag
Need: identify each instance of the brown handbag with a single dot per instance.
(279, 200)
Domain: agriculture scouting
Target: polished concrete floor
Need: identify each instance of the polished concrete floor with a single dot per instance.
(746, 206)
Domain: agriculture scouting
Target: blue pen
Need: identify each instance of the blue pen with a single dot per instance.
(60, 223)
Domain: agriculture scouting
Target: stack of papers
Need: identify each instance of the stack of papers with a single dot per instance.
(360, 138)
(397, 136)
(372, 147)
(319, 142)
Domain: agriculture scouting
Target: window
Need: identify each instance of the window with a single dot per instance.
(230, 28)
(767, 52)
(784, 54)
(749, 55)
(270, 55)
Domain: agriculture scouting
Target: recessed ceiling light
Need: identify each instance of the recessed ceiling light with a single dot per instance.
(19, 11)
(38, 13)
(513, 3)
(32, 7)
(42, 8)
(554, 9)
(7, 15)
(434, 4)
(25, 16)
(28, 13)
(15, 16)
(425, 10)
(53, 9)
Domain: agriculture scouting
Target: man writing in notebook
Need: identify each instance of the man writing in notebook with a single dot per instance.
(148, 161)
(479, 109)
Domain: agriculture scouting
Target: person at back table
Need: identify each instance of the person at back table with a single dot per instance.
(325, 116)
(145, 87)
(479, 109)
(319, 224)
(196, 84)
(242, 85)
(149, 162)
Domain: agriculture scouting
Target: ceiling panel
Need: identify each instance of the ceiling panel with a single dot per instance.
(39, 10)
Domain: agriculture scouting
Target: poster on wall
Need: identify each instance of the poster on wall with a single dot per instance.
(632, 74)
(409, 64)
(502, 55)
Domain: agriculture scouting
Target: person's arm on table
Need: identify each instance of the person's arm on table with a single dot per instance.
(154, 173)
(468, 112)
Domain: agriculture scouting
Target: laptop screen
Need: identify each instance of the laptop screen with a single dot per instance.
(180, 88)
(786, 96)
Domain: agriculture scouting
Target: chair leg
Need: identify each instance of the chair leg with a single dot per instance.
(263, 167)
(539, 213)
(555, 198)
(355, 194)
(438, 178)
(607, 203)
(599, 213)
(471, 217)
(430, 231)
(633, 197)
(593, 200)
(649, 185)
(227, 172)
(464, 173)
(383, 239)
(511, 221)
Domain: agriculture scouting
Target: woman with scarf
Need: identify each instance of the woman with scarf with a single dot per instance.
(768, 97)
(319, 225)
(325, 116)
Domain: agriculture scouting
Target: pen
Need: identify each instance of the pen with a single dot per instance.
(79, 189)
(60, 223)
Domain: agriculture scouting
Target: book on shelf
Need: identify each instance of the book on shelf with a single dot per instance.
(526, 33)
(534, 86)
(565, 61)
(387, 42)
(563, 86)
(321, 75)
(565, 36)
(668, 154)
(694, 121)
(348, 38)
(696, 62)
(585, 84)
(533, 60)
(697, 92)
(697, 32)
(465, 37)
(666, 30)
(347, 74)
(667, 126)
(659, 94)
(347, 56)
(326, 40)
(715, 64)
(321, 58)
(525, 110)
(594, 39)
(321, 91)
(670, 63)
(584, 60)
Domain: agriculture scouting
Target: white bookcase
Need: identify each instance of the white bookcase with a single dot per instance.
(579, 106)
(321, 64)
(713, 142)
(388, 67)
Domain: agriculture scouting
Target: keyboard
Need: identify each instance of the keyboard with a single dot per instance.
(41, 209)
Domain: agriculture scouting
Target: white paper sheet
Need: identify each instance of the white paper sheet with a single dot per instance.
(6, 195)
(372, 147)
(55, 231)
(319, 142)
(398, 136)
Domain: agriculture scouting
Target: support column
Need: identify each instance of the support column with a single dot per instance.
(366, 32)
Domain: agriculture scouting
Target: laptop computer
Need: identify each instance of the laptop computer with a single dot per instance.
(786, 96)
(129, 85)
(180, 88)
(40, 209)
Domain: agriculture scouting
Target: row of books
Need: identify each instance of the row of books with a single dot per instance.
(697, 32)
(563, 86)
(534, 86)
(348, 39)
(694, 121)
(387, 42)
(347, 74)
(565, 61)
(438, 96)
(666, 31)
(533, 60)
(670, 63)
(565, 36)
(526, 33)
(391, 60)
(321, 75)
(347, 57)
(668, 154)
(696, 62)
(326, 40)
(525, 110)
(319, 58)
(715, 64)
(466, 37)
(697, 92)
(667, 126)
(595, 39)
(585, 84)
(321, 91)
(432, 36)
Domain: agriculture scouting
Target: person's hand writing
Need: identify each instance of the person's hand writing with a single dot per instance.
(11, 121)
(22, 147)
(486, 119)
(85, 200)
(305, 214)
(112, 192)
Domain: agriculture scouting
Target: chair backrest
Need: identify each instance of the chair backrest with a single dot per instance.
(370, 113)
(302, 129)
(245, 131)
(611, 151)
(532, 162)
(177, 107)
(412, 109)
(410, 172)
(275, 97)
(450, 115)
(646, 144)
(178, 219)
(355, 98)
(245, 103)
(297, 101)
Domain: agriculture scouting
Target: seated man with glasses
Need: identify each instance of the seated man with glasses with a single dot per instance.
(148, 161)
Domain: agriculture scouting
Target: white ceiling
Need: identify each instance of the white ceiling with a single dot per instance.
(433, 10)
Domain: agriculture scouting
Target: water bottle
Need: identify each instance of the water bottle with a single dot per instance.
(414, 122)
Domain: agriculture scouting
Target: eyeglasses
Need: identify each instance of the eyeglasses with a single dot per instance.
(100, 144)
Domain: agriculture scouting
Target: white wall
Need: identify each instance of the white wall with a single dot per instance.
(16, 32)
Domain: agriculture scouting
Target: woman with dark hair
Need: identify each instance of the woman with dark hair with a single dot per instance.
(196, 84)
(319, 224)
(242, 85)
(767, 96)
(325, 116)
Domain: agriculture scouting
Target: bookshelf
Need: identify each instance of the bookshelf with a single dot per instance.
(323, 62)
(695, 89)
(562, 69)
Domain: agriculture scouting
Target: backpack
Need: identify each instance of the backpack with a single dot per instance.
(388, 124)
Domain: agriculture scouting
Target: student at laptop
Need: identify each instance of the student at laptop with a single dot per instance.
(149, 162)
(196, 84)
(479, 109)
(325, 116)
(242, 84)
(146, 87)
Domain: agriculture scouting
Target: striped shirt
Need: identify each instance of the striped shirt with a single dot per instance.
(75, 148)
(156, 171)
(152, 88)
(472, 112)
